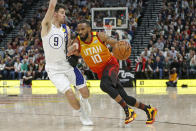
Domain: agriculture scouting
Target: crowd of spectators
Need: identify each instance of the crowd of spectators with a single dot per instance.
(24, 55)
(12, 12)
(173, 43)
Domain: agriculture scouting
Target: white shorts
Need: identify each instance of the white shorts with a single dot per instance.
(63, 79)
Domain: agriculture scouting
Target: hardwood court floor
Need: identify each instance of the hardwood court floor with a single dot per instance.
(176, 112)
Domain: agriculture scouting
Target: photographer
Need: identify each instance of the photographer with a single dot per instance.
(173, 77)
(27, 79)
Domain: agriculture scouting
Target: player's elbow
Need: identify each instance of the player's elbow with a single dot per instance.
(44, 23)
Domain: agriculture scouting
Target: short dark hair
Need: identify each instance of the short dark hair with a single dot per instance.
(85, 21)
(59, 6)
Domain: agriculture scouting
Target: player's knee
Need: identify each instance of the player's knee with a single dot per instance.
(84, 92)
(104, 86)
(105, 83)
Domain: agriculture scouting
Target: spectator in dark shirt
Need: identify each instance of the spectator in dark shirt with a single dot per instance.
(149, 69)
(175, 64)
(32, 67)
(158, 68)
(27, 79)
(8, 72)
(166, 68)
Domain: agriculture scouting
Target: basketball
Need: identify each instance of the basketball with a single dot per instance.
(122, 50)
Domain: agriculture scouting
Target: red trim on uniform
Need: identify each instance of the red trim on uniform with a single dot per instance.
(110, 70)
(79, 44)
(111, 61)
(91, 39)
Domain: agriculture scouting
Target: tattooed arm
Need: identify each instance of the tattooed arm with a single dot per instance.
(106, 39)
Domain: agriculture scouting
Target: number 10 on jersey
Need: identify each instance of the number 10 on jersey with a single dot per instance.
(96, 58)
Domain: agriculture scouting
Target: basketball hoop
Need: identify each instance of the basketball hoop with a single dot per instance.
(108, 29)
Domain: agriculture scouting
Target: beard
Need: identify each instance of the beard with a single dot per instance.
(84, 38)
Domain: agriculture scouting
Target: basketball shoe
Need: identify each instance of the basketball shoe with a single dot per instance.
(84, 117)
(83, 102)
(151, 113)
(86, 105)
(130, 116)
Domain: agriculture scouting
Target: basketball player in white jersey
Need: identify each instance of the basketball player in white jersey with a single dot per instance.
(56, 37)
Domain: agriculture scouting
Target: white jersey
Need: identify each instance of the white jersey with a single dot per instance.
(54, 44)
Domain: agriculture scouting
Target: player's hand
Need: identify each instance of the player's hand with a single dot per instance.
(73, 48)
(69, 53)
(73, 60)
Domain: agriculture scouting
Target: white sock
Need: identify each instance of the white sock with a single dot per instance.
(79, 110)
(76, 112)
(85, 99)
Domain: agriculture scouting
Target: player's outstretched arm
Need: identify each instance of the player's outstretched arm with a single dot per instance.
(106, 39)
(46, 22)
(73, 48)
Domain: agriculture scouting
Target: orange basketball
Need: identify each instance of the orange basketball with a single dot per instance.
(122, 50)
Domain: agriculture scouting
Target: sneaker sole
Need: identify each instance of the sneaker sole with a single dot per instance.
(130, 120)
(87, 123)
(154, 114)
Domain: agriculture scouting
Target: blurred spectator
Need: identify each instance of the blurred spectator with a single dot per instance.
(173, 77)
(159, 44)
(149, 69)
(140, 67)
(10, 51)
(24, 67)
(27, 79)
(9, 69)
(183, 69)
(162, 58)
(41, 73)
(2, 52)
(17, 68)
(193, 67)
(150, 44)
(2, 66)
(128, 67)
(158, 68)
(175, 64)
(173, 53)
(166, 68)
(32, 67)
(146, 53)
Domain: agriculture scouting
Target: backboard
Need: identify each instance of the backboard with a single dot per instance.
(115, 16)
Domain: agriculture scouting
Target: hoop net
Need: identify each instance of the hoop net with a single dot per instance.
(108, 29)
